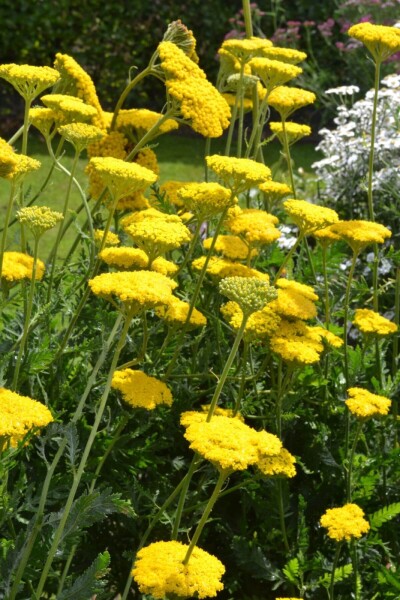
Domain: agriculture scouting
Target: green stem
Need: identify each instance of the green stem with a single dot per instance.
(189, 252)
(227, 367)
(207, 152)
(258, 124)
(195, 296)
(231, 127)
(282, 516)
(126, 93)
(351, 460)
(16, 136)
(46, 485)
(115, 438)
(6, 223)
(78, 476)
(60, 228)
(288, 256)
(247, 18)
(241, 112)
(355, 567)
(326, 288)
(149, 529)
(372, 147)
(27, 316)
(288, 157)
(220, 482)
(150, 134)
(181, 503)
(346, 357)
(242, 379)
(395, 404)
(346, 318)
(334, 565)
(310, 260)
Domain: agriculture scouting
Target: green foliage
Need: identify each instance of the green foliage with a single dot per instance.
(92, 581)
(378, 518)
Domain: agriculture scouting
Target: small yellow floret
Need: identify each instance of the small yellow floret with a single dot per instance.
(309, 217)
(17, 266)
(365, 405)
(371, 322)
(20, 414)
(238, 174)
(140, 390)
(345, 523)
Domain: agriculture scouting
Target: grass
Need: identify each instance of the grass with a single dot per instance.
(181, 157)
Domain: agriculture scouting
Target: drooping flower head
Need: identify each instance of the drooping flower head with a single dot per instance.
(75, 81)
(238, 174)
(29, 81)
(372, 323)
(159, 570)
(200, 103)
(365, 405)
(21, 414)
(381, 41)
(345, 523)
(309, 217)
(140, 390)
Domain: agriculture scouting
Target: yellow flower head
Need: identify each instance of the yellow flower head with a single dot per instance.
(170, 190)
(260, 325)
(138, 289)
(111, 240)
(288, 55)
(158, 236)
(8, 159)
(69, 108)
(285, 100)
(199, 101)
(371, 322)
(231, 246)
(17, 266)
(255, 226)
(141, 120)
(309, 217)
(23, 165)
(159, 570)
(140, 390)
(275, 191)
(80, 135)
(297, 344)
(345, 523)
(43, 119)
(75, 81)
(121, 178)
(39, 218)
(273, 72)
(281, 465)
(295, 300)
(176, 311)
(325, 237)
(238, 174)
(364, 405)
(381, 41)
(27, 80)
(359, 234)
(20, 414)
(243, 50)
(249, 293)
(229, 443)
(221, 267)
(133, 258)
(294, 131)
(205, 199)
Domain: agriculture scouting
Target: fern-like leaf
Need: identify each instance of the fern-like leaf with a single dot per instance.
(378, 518)
(90, 582)
(291, 570)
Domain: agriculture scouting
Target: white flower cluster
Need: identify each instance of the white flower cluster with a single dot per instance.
(343, 171)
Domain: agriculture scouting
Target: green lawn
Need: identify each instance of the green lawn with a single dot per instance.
(180, 158)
